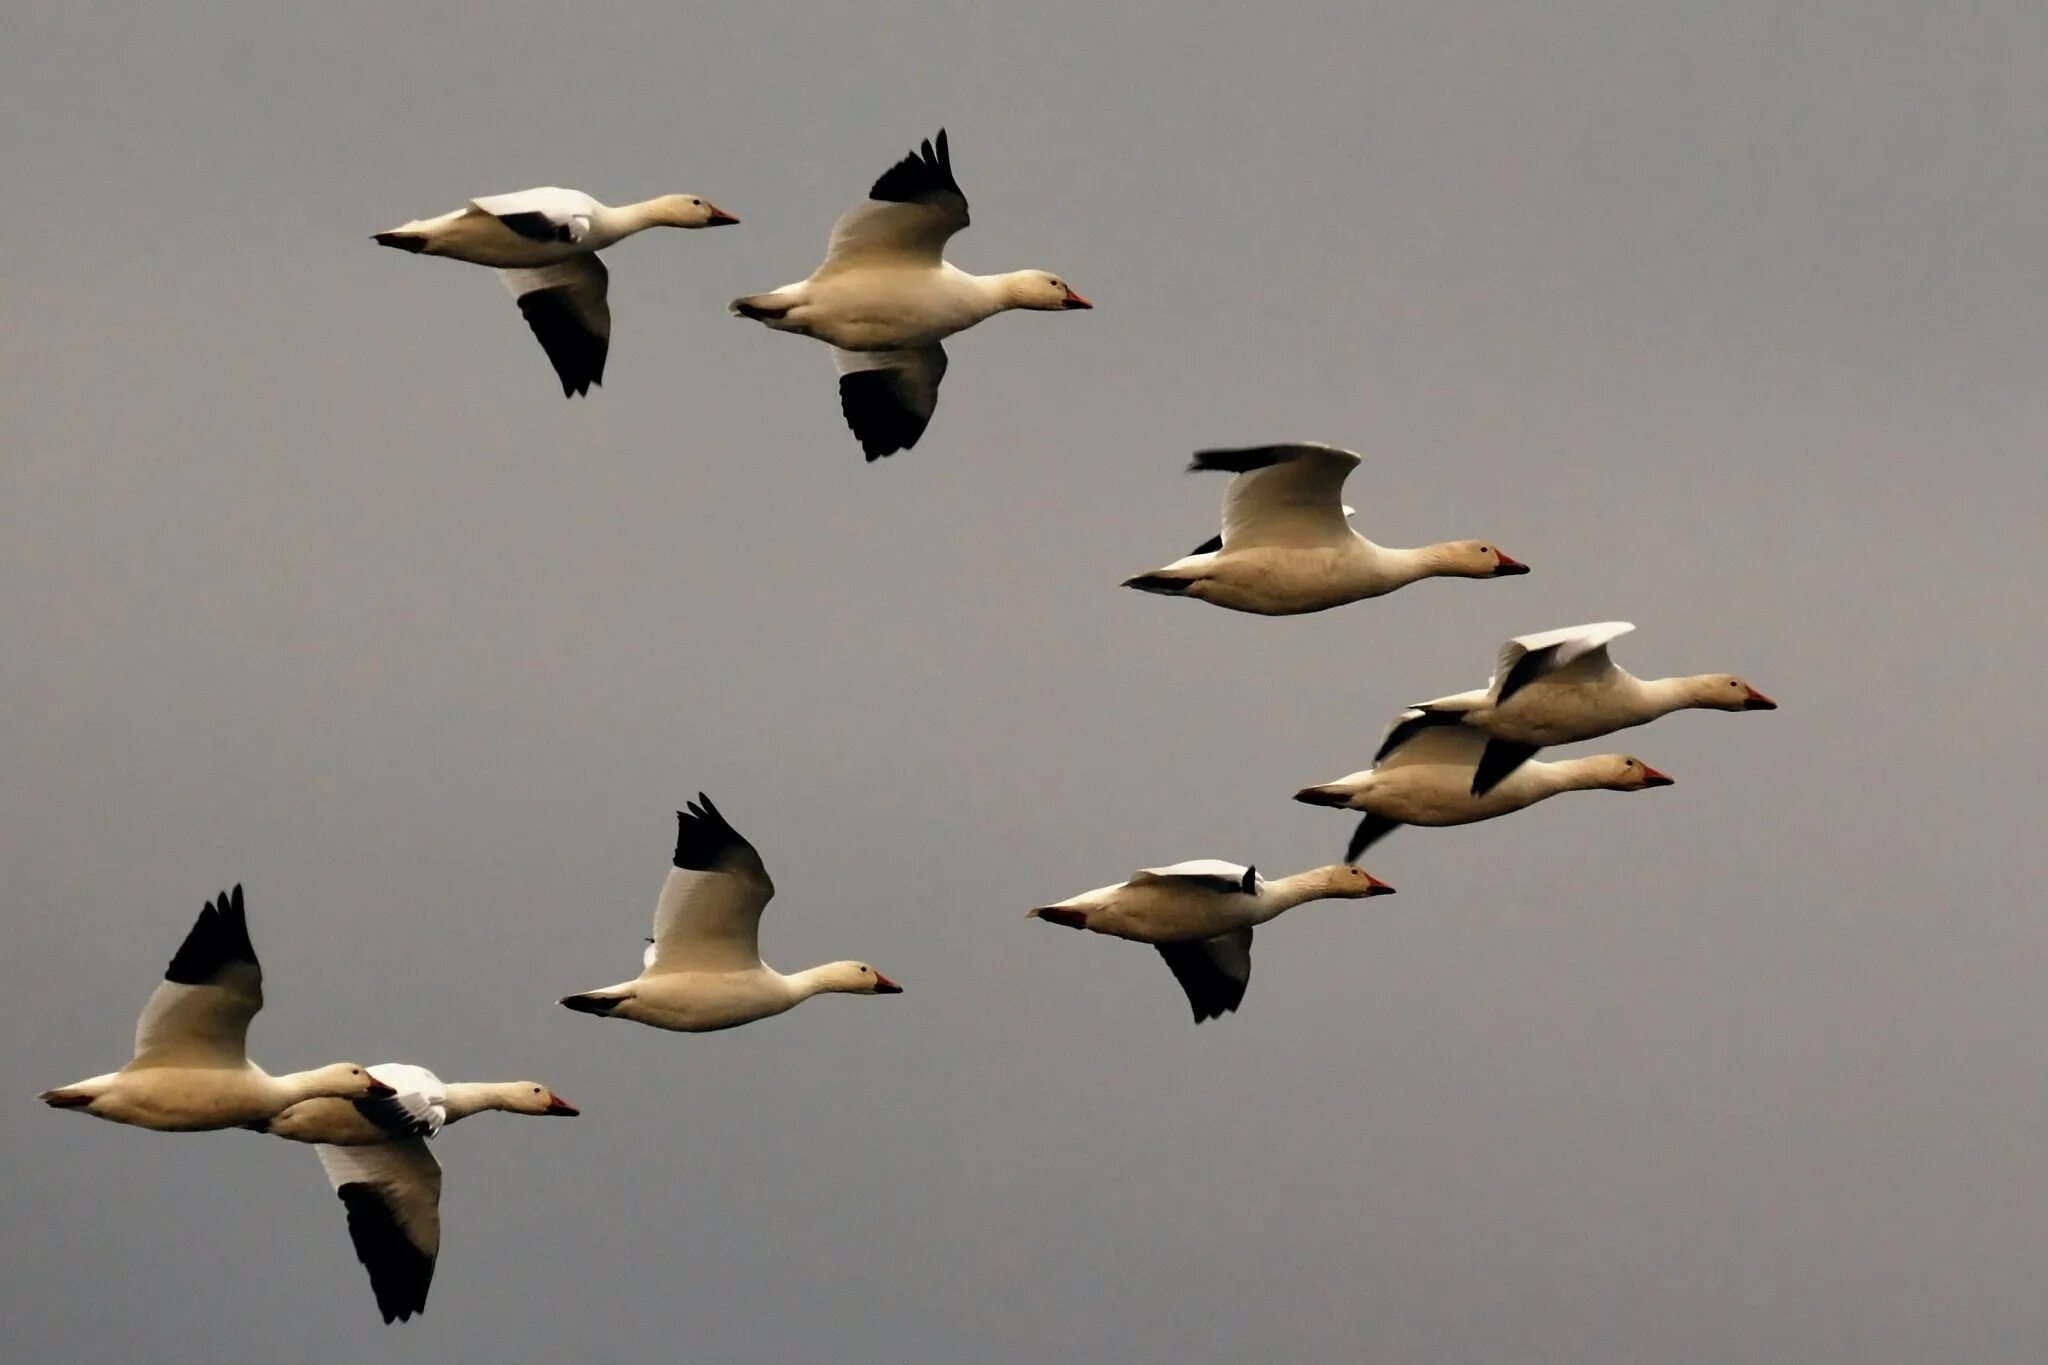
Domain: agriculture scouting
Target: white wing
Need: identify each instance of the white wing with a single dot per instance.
(910, 213)
(418, 1109)
(566, 307)
(547, 214)
(1575, 651)
(393, 1196)
(199, 1016)
(1449, 710)
(888, 397)
(709, 915)
(1283, 495)
(1212, 874)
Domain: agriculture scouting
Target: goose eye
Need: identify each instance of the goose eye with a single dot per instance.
(699, 203)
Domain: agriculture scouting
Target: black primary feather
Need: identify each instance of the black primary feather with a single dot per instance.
(703, 836)
(1370, 831)
(1212, 992)
(218, 939)
(1499, 759)
(879, 412)
(1411, 727)
(1527, 669)
(1238, 461)
(400, 1273)
(536, 227)
(1209, 546)
(575, 351)
(923, 175)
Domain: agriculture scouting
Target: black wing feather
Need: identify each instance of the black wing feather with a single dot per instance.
(1413, 726)
(218, 939)
(1212, 992)
(400, 1273)
(924, 175)
(1239, 461)
(703, 836)
(1370, 831)
(1527, 669)
(879, 412)
(1500, 758)
(535, 227)
(576, 352)
(1209, 546)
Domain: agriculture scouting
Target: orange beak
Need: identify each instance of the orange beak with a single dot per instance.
(1509, 565)
(378, 1090)
(1074, 300)
(558, 1105)
(1375, 887)
(1653, 778)
(1757, 701)
(884, 986)
(719, 218)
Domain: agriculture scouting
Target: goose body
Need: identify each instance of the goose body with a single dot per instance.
(885, 297)
(1427, 780)
(1200, 916)
(1560, 687)
(1288, 546)
(191, 1070)
(702, 970)
(544, 242)
(376, 1157)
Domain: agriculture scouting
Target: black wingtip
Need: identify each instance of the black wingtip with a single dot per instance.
(1234, 461)
(1250, 885)
(1411, 727)
(400, 1273)
(703, 835)
(218, 938)
(1209, 546)
(577, 354)
(403, 241)
(877, 415)
(923, 174)
(1497, 762)
(1370, 831)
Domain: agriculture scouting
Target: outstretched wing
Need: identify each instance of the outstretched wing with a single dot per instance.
(393, 1196)
(1428, 715)
(1284, 495)
(1213, 971)
(888, 397)
(910, 213)
(565, 305)
(199, 1016)
(1407, 744)
(709, 915)
(1573, 652)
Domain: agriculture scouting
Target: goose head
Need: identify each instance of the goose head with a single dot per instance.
(531, 1097)
(1041, 291)
(345, 1081)
(1347, 881)
(1474, 559)
(1623, 773)
(690, 211)
(1726, 692)
(854, 978)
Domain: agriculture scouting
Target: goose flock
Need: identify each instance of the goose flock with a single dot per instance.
(885, 299)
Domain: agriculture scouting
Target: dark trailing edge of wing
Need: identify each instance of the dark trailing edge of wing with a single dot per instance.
(218, 938)
(1413, 726)
(1209, 546)
(1370, 831)
(703, 836)
(573, 349)
(1498, 760)
(922, 176)
(400, 1273)
(1237, 461)
(535, 227)
(1248, 884)
(1527, 669)
(1212, 992)
(876, 412)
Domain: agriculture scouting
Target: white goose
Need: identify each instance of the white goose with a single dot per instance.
(1560, 687)
(885, 298)
(191, 1070)
(1200, 915)
(1288, 546)
(544, 244)
(376, 1157)
(702, 970)
(1427, 780)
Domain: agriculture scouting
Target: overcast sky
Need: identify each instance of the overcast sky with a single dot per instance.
(1728, 320)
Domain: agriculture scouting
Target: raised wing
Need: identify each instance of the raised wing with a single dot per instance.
(1428, 715)
(1213, 971)
(199, 1016)
(565, 305)
(1452, 745)
(709, 916)
(888, 397)
(418, 1109)
(393, 1196)
(548, 214)
(1574, 652)
(1284, 495)
(1210, 874)
(909, 215)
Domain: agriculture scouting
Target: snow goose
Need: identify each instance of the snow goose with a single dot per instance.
(191, 1070)
(885, 298)
(1200, 916)
(702, 970)
(1427, 780)
(1560, 687)
(544, 245)
(375, 1154)
(1288, 547)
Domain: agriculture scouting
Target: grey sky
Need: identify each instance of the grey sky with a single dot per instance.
(1728, 320)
